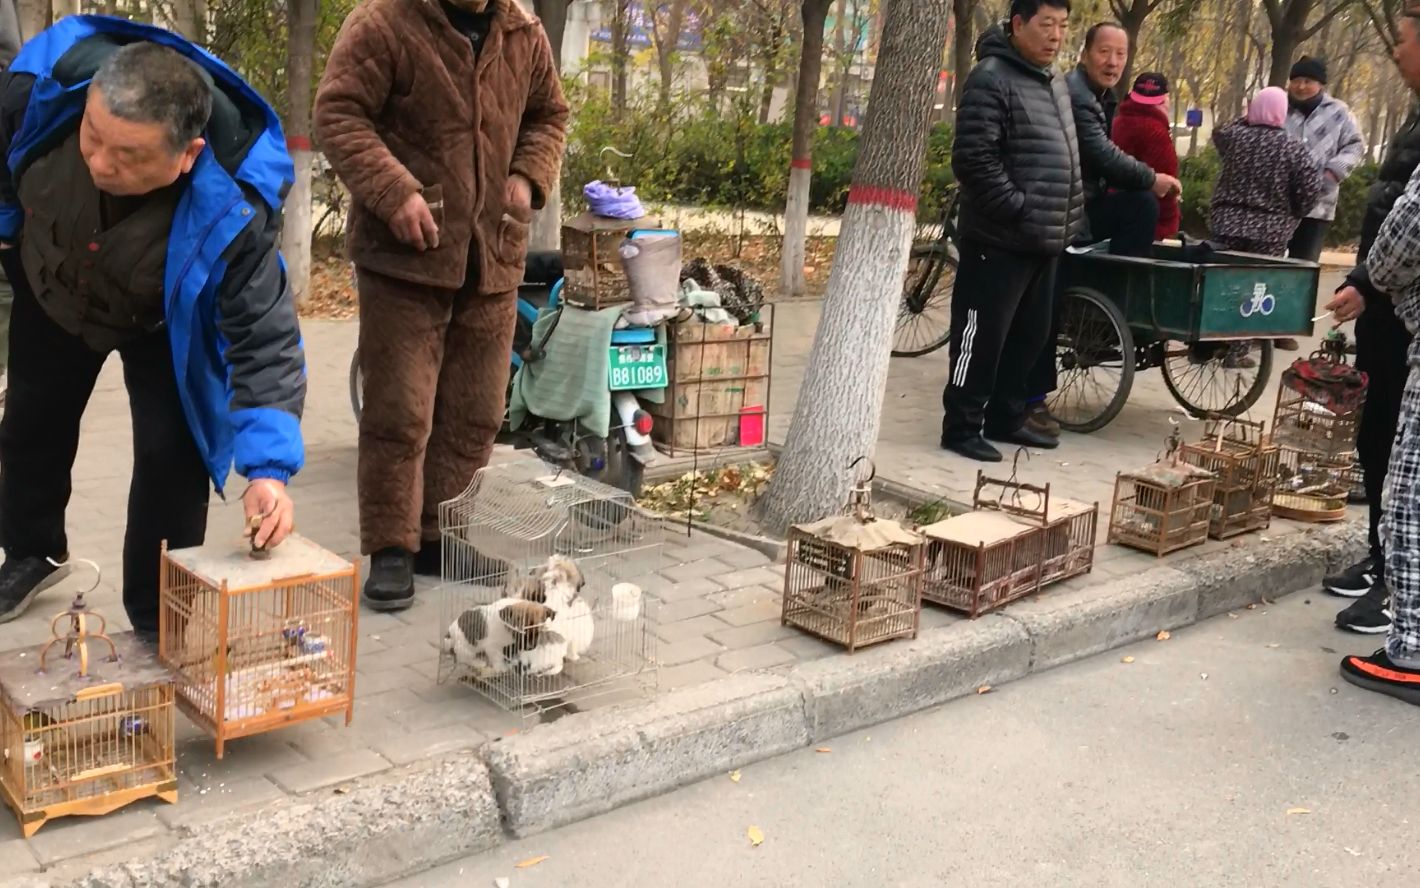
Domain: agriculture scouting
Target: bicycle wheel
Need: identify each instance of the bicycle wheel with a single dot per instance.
(1094, 361)
(924, 317)
(1218, 377)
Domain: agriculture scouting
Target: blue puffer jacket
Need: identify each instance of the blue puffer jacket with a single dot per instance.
(229, 311)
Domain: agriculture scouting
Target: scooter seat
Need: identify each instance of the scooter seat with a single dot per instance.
(634, 336)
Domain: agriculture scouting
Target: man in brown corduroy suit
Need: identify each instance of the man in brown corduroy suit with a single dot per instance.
(446, 120)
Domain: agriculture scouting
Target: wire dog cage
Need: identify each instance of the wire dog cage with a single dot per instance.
(545, 600)
(259, 644)
(86, 723)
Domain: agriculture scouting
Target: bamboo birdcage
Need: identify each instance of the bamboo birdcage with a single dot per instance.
(1311, 488)
(1068, 547)
(1163, 507)
(854, 579)
(1320, 418)
(1246, 465)
(259, 643)
(577, 561)
(87, 728)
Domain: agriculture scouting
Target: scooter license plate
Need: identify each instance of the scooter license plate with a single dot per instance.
(638, 367)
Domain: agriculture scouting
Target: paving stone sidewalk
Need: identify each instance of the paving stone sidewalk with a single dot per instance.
(718, 608)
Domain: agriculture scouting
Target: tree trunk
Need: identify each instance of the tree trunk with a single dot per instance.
(65, 8)
(34, 16)
(964, 45)
(1289, 30)
(667, 43)
(766, 98)
(1132, 18)
(619, 52)
(185, 17)
(553, 14)
(796, 208)
(839, 410)
(300, 72)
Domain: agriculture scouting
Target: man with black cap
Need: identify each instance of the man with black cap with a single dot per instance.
(1324, 124)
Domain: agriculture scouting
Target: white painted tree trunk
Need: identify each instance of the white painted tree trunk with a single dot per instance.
(796, 232)
(64, 8)
(300, 64)
(839, 409)
(34, 17)
(546, 233)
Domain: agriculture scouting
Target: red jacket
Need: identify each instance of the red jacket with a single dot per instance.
(1143, 132)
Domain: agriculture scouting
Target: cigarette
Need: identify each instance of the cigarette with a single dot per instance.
(1321, 317)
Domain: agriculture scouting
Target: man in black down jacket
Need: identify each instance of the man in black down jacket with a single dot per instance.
(1018, 165)
(1126, 215)
(1381, 344)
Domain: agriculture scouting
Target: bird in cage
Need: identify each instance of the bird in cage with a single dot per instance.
(482, 638)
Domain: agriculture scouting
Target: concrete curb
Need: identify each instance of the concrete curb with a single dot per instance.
(585, 764)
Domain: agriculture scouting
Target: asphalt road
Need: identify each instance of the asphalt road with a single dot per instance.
(1231, 754)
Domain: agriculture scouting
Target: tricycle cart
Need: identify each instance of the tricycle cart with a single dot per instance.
(1208, 325)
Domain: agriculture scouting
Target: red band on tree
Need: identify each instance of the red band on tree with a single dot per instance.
(891, 198)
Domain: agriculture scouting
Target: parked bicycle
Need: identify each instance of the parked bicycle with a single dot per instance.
(924, 319)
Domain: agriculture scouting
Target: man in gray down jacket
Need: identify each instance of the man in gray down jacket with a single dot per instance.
(1324, 124)
(1023, 199)
(1121, 194)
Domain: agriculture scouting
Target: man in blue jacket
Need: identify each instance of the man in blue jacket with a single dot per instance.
(139, 213)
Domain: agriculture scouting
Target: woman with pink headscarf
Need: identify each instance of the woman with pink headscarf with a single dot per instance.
(1269, 181)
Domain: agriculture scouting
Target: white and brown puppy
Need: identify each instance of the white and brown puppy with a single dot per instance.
(489, 639)
(562, 584)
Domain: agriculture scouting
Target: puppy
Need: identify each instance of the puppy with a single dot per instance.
(488, 638)
(562, 581)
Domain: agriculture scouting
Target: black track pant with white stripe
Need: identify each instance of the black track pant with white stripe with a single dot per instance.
(1001, 313)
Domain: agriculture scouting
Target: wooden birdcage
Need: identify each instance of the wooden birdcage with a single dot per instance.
(982, 560)
(1068, 548)
(854, 579)
(86, 723)
(1246, 465)
(1163, 507)
(1318, 418)
(1312, 487)
(259, 643)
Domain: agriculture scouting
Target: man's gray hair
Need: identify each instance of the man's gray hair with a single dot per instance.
(147, 83)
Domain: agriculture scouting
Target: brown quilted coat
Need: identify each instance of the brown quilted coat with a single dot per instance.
(403, 107)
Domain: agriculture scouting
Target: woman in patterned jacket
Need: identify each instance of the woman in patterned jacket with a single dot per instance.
(1269, 181)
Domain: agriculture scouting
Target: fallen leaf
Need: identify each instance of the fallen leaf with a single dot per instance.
(823, 749)
(1203, 675)
(756, 836)
(734, 776)
(984, 689)
(341, 790)
(1291, 811)
(532, 861)
(1127, 660)
(1163, 636)
(1352, 851)
(1274, 646)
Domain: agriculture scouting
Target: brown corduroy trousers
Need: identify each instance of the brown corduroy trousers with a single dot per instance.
(435, 365)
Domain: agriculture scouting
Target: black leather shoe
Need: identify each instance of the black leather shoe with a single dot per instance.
(975, 448)
(23, 578)
(390, 586)
(467, 564)
(1025, 437)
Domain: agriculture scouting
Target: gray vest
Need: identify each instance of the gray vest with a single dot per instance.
(104, 285)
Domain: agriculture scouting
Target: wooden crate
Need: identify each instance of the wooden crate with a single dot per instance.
(980, 561)
(259, 644)
(593, 276)
(85, 739)
(716, 372)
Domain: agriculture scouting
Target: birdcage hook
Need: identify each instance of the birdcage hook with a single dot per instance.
(80, 618)
(611, 178)
(860, 501)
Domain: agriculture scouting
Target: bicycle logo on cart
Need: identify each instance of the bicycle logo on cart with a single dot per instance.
(1261, 302)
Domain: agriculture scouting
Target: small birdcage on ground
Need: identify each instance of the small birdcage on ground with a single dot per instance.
(259, 639)
(1163, 507)
(1246, 465)
(1311, 487)
(980, 561)
(86, 722)
(548, 580)
(1068, 547)
(854, 579)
